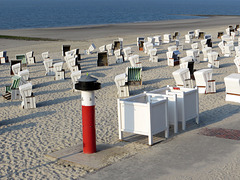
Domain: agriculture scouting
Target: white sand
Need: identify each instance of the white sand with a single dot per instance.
(27, 135)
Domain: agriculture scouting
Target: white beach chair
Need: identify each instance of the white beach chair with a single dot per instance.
(213, 61)
(74, 77)
(188, 38)
(194, 53)
(167, 38)
(119, 56)
(30, 57)
(24, 74)
(179, 45)
(180, 76)
(109, 48)
(205, 51)
(172, 58)
(122, 89)
(91, 49)
(153, 55)
(102, 48)
(237, 63)
(232, 83)
(196, 33)
(16, 68)
(48, 64)
(191, 34)
(134, 61)
(127, 52)
(45, 55)
(157, 40)
(204, 81)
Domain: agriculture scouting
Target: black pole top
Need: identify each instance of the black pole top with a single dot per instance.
(87, 83)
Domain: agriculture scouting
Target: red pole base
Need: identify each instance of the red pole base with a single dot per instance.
(88, 128)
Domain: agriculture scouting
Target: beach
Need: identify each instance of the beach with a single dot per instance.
(28, 135)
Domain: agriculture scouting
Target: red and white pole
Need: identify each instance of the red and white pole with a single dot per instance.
(88, 122)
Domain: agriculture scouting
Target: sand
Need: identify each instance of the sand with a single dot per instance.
(28, 135)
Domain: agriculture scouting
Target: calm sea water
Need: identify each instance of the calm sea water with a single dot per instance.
(18, 14)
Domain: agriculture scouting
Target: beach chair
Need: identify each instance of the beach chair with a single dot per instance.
(140, 42)
(153, 55)
(176, 35)
(30, 57)
(65, 48)
(205, 51)
(167, 38)
(3, 57)
(12, 91)
(48, 64)
(59, 71)
(220, 34)
(201, 35)
(102, 48)
(134, 61)
(179, 45)
(237, 51)
(190, 66)
(196, 33)
(213, 61)
(204, 43)
(204, 81)
(24, 74)
(172, 58)
(45, 55)
(134, 75)
(188, 38)
(237, 63)
(28, 99)
(182, 77)
(119, 56)
(147, 46)
(72, 64)
(157, 40)
(127, 52)
(191, 34)
(91, 49)
(12, 62)
(151, 40)
(122, 86)
(22, 57)
(102, 59)
(194, 53)
(117, 44)
(74, 77)
(16, 68)
(109, 48)
(186, 59)
(232, 83)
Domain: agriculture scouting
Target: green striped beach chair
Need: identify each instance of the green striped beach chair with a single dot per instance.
(14, 86)
(134, 75)
(23, 58)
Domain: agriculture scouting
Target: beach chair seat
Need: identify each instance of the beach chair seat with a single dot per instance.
(153, 55)
(45, 55)
(109, 48)
(3, 57)
(232, 83)
(102, 48)
(28, 99)
(48, 64)
(237, 63)
(122, 86)
(119, 56)
(172, 58)
(205, 51)
(24, 74)
(65, 48)
(188, 38)
(12, 91)
(134, 75)
(140, 42)
(176, 35)
(74, 77)
(157, 40)
(194, 53)
(127, 52)
(167, 38)
(16, 68)
(91, 49)
(179, 45)
(59, 71)
(134, 61)
(202, 78)
(58, 66)
(72, 64)
(181, 76)
(30, 57)
(213, 61)
(102, 59)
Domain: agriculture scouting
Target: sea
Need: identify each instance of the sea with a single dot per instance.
(22, 14)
